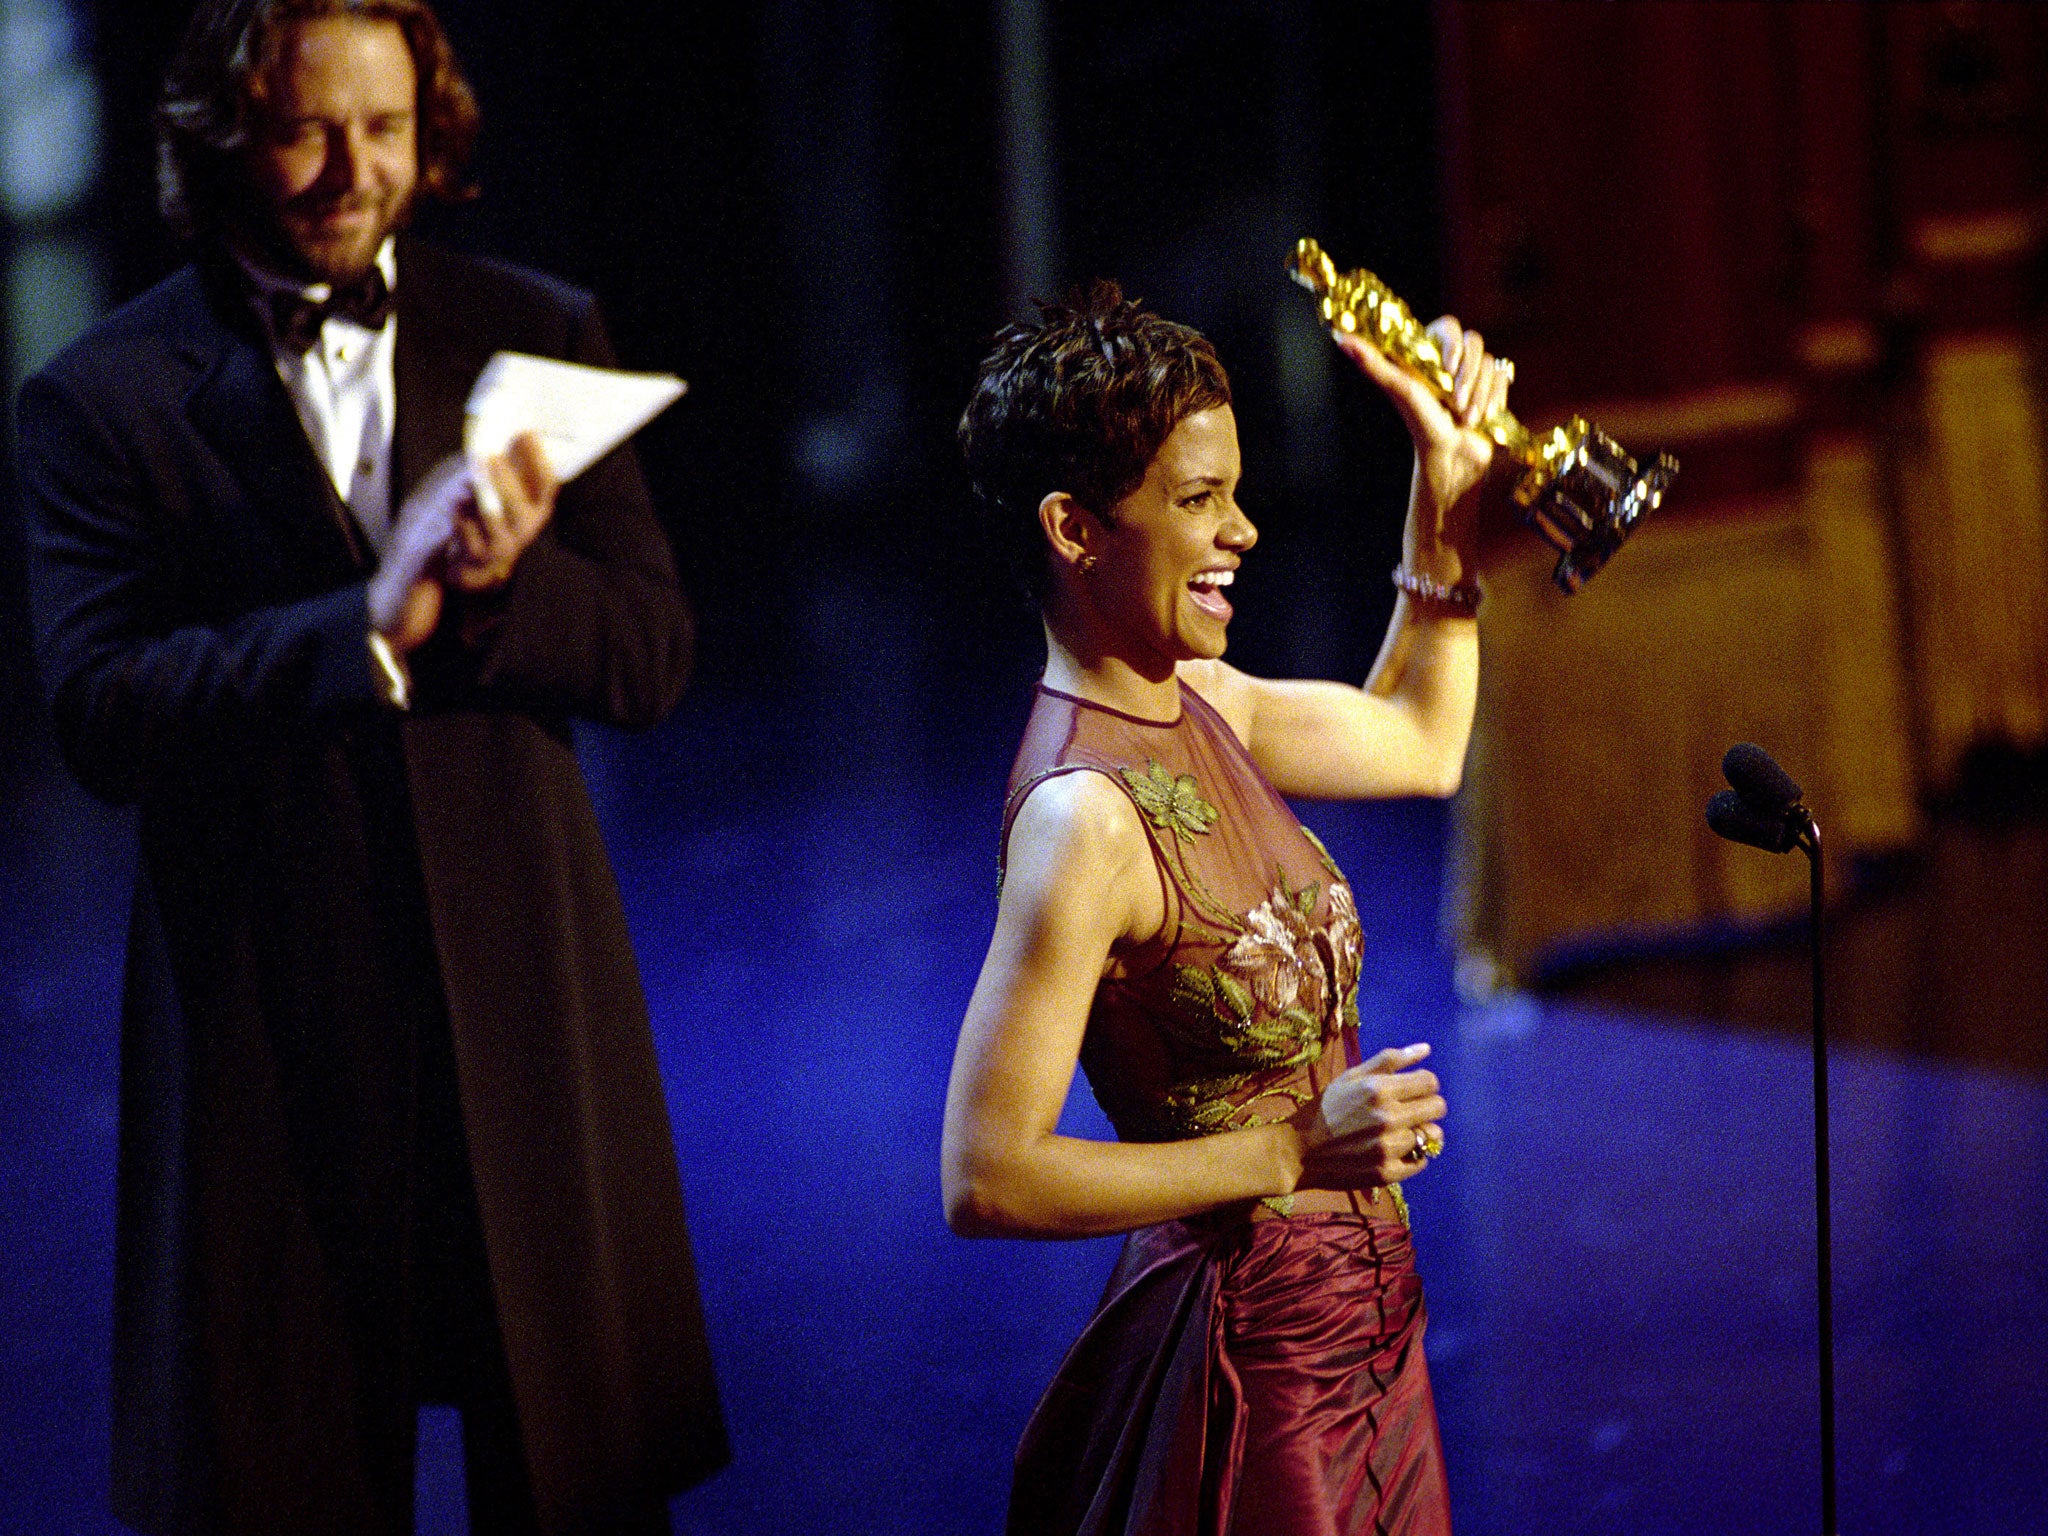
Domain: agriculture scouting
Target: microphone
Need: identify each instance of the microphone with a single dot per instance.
(1743, 821)
(1762, 809)
(1757, 777)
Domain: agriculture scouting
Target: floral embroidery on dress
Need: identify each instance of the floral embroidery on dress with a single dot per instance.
(1345, 935)
(1276, 954)
(1173, 804)
(1346, 939)
(1264, 1006)
(1281, 984)
(1268, 991)
(1322, 853)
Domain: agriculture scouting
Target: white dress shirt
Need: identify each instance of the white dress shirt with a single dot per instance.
(345, 387)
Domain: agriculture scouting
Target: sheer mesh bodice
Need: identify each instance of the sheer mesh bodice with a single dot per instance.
(1246, 1003)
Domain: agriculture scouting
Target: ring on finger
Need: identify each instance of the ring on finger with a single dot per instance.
(1506, 367)
(1432, 1141)
(1419, 1153)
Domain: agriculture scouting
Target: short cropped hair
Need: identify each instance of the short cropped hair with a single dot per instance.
(1078, 403)
(207, 113)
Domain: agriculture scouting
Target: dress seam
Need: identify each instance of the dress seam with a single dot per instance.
(1107, 709)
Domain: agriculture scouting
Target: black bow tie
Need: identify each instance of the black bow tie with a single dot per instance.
(297, 319)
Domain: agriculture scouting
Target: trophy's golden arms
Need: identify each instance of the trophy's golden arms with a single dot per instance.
(1578, 488)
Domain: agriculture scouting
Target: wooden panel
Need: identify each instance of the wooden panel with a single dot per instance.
(1674, 216)
(1622, 196)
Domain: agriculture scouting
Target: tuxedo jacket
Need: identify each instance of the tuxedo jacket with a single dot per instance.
(322, 881)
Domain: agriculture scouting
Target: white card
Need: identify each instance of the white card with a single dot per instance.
(579, 413)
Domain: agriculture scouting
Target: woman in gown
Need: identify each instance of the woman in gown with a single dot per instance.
(1255, 1365)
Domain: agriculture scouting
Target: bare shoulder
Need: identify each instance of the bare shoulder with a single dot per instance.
(1080, 869)
(1075, 816)
(1232, 694)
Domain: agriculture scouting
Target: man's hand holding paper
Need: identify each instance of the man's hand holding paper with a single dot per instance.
(530, 425)
(443, 536)
(491, 535)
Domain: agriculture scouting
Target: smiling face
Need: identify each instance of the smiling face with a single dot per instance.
(1170, 547)
(334, 159)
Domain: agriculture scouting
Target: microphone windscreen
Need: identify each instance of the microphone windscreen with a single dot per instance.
(1744, 821)
(1757, 776)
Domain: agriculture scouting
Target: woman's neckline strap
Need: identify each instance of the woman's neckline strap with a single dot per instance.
(1075, 698)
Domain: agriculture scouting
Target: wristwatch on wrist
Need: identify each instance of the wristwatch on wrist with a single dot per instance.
(394, 682)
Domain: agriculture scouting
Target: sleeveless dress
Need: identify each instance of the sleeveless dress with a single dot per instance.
(1258, 1370)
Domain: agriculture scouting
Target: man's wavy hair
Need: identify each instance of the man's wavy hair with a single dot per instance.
(1078, 403)
(208, 112)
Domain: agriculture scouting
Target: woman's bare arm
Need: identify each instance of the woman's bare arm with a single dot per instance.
(1403, 732)
(1079, 879)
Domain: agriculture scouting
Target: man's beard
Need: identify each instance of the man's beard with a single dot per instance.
(292, 238)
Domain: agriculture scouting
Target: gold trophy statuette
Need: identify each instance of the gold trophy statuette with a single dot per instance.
(1578, 489)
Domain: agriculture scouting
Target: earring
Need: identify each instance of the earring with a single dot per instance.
(1087, 564)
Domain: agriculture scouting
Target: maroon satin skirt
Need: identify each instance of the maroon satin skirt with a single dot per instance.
(1243, 1379)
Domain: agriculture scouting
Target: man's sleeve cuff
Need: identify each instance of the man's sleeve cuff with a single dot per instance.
(394, 682)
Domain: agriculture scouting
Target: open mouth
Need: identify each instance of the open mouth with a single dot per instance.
(1206, 587)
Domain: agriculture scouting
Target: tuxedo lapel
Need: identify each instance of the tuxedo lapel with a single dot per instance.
(441, 350)
(242, 410)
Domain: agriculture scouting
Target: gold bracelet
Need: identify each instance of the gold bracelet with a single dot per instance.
(1462, 598)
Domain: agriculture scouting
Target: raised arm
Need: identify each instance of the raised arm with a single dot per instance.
(1403, 732)
(1080, 889)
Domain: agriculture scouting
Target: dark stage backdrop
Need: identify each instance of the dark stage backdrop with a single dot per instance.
(809, 210)
(817, 211)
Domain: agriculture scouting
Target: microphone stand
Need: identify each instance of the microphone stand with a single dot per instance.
(1808, 838)
(1762, 808)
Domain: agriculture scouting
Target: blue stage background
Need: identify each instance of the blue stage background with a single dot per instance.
(810, 210)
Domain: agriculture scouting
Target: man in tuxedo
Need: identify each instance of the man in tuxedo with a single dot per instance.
(392, 1130)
